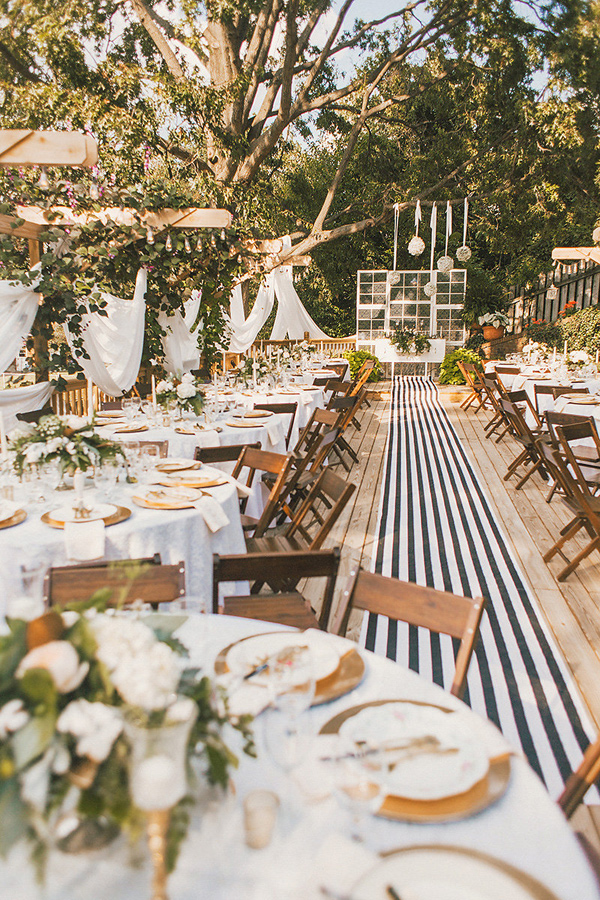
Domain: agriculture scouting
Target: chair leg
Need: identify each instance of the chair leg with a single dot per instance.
(556, 548)
(579, 558)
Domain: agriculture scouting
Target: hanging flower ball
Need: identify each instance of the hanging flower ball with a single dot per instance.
(416, 245)
(430, 289)
(445, 264)
(394, 278)
(463, 253)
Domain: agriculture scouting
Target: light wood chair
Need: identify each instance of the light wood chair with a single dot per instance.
(475, 395)
(127, 580)
(282, 603)
(227, 453)
(529, 457)
(279, 466)
(439, 611)
(580, 781)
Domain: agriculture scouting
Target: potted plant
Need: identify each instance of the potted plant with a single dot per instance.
(494, 324)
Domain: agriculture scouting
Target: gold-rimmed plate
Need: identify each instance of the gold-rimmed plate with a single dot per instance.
(258, 414)
(130, 429)
(342, 678)
(454, 806)
(241, 424)
(177, 465)
(119, 514)
(193, 481)
(439, 872)
(15, 518)
(171, 497)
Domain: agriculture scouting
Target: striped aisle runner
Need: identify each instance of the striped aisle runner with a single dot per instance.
(436, 528)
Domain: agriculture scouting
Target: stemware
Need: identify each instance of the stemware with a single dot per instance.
(358, 781)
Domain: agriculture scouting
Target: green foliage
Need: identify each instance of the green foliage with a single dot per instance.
(357, 357)
(449, 371)
(582, 330)
(475, 341)
(549, 333)
(407, 340)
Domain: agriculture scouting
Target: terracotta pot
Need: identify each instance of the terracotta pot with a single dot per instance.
(491, 334)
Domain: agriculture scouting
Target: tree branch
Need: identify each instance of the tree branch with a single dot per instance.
(147, 20)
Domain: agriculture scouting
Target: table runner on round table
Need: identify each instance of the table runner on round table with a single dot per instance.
(436, 528)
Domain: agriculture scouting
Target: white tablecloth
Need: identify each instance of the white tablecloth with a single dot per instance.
(524, 828)
(175, 534)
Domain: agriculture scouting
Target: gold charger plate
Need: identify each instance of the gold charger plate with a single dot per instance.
(177, 465)
(258, 414)
(16, 518)
(193, 482)
(443, 809)
(164, 500)
(120, 514)
(348, 675)
(582, 399)
(458, 866)
(241, 424)
(131, 429)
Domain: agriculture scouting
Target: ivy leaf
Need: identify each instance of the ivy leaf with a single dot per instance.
(13, 815)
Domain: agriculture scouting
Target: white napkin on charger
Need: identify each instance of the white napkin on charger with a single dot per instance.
(212, 513)
(273, 431)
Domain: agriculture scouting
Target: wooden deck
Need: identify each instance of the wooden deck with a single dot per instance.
(530, 524)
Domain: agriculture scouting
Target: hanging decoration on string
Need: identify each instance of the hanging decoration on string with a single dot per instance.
(396, 220)
(430, 288)
(416, 245)
(552, 292)
(445, 263)
(464, 253)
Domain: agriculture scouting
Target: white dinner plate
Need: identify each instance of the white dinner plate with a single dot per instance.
(67, 513)
(247, 654)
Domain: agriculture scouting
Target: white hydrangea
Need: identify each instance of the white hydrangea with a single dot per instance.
(120, 637)
(185, 390)
(188, 378)
(95, 726)
(149, 680)
(163, 386)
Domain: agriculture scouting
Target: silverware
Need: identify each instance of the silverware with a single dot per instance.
(392, 893)
(256, 671)
(428, 741)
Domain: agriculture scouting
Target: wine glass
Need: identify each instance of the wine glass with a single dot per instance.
(358, 780)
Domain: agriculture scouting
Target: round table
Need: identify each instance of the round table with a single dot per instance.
(523, 828)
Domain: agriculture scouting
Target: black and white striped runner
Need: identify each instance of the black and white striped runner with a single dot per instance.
(436, 528)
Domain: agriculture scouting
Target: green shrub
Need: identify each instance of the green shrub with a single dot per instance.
(549, 333)
(357, 357)
(449, 371)
(475, 341)
(582, 330)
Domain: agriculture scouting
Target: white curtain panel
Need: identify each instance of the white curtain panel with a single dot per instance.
(114, 343)
(244, 331)
(23, 399)
(18, 308)
(292, 320)
(180, 342)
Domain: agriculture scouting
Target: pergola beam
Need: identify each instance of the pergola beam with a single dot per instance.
(589, 254)
(24, 147)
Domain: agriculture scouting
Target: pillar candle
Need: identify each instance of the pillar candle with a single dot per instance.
(224, 363)
(597, 356)
(154, 392)
(90, 395)
(3, 441)
(565, 349)
(554, 355)
(254, 373)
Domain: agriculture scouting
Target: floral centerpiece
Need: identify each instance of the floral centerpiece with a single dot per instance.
(70, 441)
(257, 367)
(536, 351)
(70, 684)
(302, 350)
(407, 340)
(184, 392)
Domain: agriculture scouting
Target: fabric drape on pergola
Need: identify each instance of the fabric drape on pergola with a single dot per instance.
(18, 309)
(180, 341)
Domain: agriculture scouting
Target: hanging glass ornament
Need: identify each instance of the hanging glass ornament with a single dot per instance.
(213, 240)
(199, 244)
(169, 243)
(416, 245)
(430, 289)
(149, 235)
(186, 244)
(43, 183)
(222, 234)
(94, 191)
(445, 264)
(463, 253)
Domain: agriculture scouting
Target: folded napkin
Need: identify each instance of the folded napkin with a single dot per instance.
(242, 489)
(305, 398)
(248, 699)
(212, 513)
(273, 432)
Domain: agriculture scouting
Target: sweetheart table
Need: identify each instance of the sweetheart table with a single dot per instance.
(522, 828)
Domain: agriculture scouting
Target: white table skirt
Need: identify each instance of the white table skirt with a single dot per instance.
(175, 534)
(524, 828)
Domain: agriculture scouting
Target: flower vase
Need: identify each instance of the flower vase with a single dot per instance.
(158, 777)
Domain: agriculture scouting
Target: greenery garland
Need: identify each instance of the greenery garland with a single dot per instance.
(407, 340)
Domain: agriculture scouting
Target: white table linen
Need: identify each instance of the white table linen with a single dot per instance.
(524, 827)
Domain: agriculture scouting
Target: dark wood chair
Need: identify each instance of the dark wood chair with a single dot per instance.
(317, 513)
(529, 457)
(476, 394)
(111, 404)
(279, 466)
(403, 601)
(321, 380)
(282, 603)
(127, 580)
(228, 453)
(580, 781)
(283, 409)
(34, 415)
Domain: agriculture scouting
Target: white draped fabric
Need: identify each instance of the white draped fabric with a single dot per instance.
(114, 342)
(244, 331)
(180, 342)
(23, 399)
(18, 308)
(292, 320)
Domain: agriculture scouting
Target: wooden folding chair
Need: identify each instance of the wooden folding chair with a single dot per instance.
(580, 781)
(278, 465)
(34, 416)
(318, 512)
(476, 390)
(283, 409)
(404, 601)
(127, 580)
(578, 498)
(527, 439)
(282, 603)
(226, 453)
(551, 420)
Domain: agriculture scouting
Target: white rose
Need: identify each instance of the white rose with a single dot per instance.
(149, 680)
(121, 638)
(163, 386)
(188, 378)
(54, 444)
(95, 726)
(76, 422)
(60, 659)
(35, 452)
(185, 390)
(13, 716)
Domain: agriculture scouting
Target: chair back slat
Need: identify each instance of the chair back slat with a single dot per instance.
(283, 409)
(226, 453)
(126, 580)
